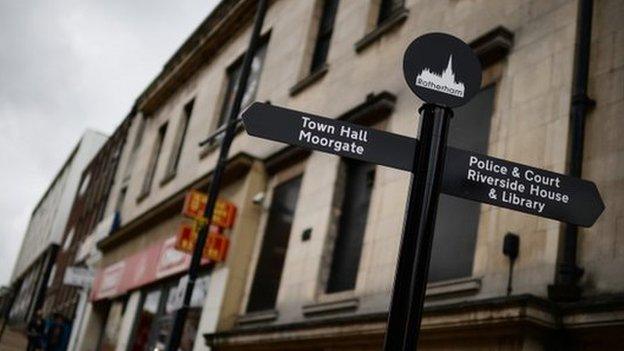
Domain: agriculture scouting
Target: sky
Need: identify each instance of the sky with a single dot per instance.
(65, 66)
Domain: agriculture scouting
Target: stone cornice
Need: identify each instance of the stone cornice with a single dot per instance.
(227, 19)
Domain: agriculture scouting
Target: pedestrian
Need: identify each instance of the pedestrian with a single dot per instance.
(35, 332)
(57, 334)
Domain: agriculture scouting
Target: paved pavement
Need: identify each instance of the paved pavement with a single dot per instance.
(12, 340)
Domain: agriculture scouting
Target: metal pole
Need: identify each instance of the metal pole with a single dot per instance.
(178, 326)
(410, 281)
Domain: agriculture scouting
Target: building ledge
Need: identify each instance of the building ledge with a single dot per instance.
(309, 80)
(383, 28)
(493, 45)
(503, 315)
(325, 308)
(454, 286)
(168, 177)
(257, 318)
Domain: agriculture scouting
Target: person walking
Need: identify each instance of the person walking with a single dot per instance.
(57, 335)
(35, 332)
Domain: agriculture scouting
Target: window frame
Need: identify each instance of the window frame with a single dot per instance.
(324, 34)
(178, 142)
(152, 166)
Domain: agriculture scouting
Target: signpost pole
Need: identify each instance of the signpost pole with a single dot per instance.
(215, 184)
(413, 266)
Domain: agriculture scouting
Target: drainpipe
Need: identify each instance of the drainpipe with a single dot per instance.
(568, 274)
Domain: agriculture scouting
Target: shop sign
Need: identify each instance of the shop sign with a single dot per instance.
(155, 262)
(78, 276)
(195, 205)
(216, 244)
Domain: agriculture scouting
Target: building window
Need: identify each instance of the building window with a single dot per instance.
(359, 178)
(323, 38)
(233, 75)
(274, 244)
(457, 221)
(389, 8)
(135, 145)
(178, 142)
(153, 161)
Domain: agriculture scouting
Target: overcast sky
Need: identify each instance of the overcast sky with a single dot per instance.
(65, 66)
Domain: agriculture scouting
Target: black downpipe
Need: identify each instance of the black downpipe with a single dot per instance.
(566, 286)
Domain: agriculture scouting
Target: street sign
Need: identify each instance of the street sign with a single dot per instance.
(441, 69)
(522, 188)
(329, 135)
(78, 276)
(466, 174)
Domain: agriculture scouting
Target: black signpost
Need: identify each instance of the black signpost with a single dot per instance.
(444, 72)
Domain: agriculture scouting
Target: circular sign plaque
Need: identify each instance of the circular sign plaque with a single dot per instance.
(442, 69)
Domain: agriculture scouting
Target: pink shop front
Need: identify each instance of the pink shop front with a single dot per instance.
(136, 298)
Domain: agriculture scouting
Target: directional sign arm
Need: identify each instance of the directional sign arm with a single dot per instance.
(467, 174)
(522, 188)
(329, 135)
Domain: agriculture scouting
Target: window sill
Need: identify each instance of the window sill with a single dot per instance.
(208, 149)
(167, 178)
(257, 317)
(309, 80)
(216, 143)
(381, 29)
(454, 286)
(142, 196)
(338, 306)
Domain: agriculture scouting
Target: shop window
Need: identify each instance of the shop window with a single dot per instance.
(153, 161)
(150, 309)
(154, 322)
(359, 178)
(457, 221)
(323, 38)
(112, 327)
(388, 9)
(274, 244)
(233, 75)
(176, 151)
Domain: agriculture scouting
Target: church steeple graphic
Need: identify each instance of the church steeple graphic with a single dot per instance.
(444, 82)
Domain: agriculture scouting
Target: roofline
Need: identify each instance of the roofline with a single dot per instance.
(192, 51)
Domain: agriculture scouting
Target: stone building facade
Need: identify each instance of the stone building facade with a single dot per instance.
(314, 246)
(42, 240)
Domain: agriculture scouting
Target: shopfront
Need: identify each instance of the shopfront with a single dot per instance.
(138, 298)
